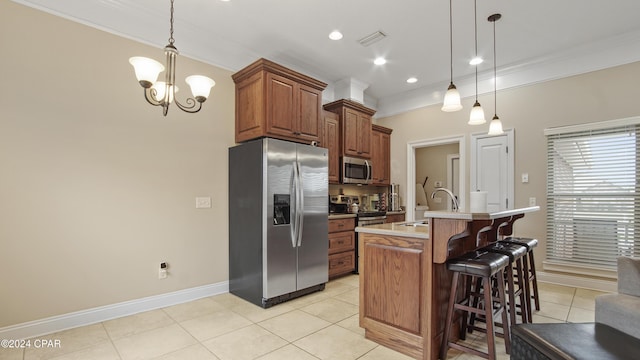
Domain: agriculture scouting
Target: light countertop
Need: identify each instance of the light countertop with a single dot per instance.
(411, 229)
(479, 216)
(341, 216)
(420, 229)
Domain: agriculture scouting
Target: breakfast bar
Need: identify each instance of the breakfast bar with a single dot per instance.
(404, 282)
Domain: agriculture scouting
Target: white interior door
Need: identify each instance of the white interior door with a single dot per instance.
(492, 169)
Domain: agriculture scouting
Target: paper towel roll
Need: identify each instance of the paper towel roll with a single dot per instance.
(478, 202)
(421, 197)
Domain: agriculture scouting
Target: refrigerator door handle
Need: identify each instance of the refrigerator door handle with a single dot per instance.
(293, 210)
(300, 209)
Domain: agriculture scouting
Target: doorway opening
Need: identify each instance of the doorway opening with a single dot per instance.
(412, 181)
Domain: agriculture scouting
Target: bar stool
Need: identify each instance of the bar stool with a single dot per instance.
(483, 266)
(516, 286)
(529, 266)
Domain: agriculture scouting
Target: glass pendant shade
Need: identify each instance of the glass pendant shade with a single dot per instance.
(160, 87)
(451, 99)
(200, 86)
(147, 70)
(495, 127)
(477, 115)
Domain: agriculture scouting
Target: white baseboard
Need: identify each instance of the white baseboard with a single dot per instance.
(577, 281)
(108, 312)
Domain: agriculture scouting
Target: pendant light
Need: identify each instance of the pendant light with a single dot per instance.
(452, 97)
(495, 127)
(477, 114)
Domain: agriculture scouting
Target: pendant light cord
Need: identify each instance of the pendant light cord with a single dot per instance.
(475, 19)
(451, 38)
(495, 78)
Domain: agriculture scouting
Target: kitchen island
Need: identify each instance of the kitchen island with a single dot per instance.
(404, 282)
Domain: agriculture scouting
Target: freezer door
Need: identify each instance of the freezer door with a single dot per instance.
(313, 246)
(279, 251)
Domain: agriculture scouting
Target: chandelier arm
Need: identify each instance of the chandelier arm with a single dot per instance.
(150, 96)
(190, 105)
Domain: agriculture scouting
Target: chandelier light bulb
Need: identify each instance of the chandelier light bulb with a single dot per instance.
(161, 87)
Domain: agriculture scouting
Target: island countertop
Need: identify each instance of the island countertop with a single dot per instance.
(479, 216)
(414, 229)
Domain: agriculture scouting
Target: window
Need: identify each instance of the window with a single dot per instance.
(592, 195)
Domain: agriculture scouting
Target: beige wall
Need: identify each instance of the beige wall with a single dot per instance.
(597, 96)
(96, 186)
(431, 162)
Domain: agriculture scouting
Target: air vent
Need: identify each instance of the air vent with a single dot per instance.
(372, 38)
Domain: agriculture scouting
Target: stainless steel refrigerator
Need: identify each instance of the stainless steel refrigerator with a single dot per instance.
(278, 220)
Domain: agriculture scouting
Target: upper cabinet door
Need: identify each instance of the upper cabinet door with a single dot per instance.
(308, 119)
(281, 105)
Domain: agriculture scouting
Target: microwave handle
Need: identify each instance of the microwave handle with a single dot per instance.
(366, 163)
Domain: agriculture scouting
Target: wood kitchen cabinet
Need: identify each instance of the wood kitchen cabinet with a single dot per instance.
(274, 101)
(356, 123)
(381, 155)
(342, 250)
(331, 141)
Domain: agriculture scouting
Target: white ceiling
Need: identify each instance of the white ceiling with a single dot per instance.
(536, 40)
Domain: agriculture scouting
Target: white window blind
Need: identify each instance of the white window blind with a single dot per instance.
(592, 195)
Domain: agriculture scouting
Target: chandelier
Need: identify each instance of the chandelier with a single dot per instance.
(162, 93)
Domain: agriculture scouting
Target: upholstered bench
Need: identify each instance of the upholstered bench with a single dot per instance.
(572, 341)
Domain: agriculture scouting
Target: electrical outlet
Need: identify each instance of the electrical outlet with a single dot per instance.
(532, 201)
(162, 272)
(203, 202)
(437, 184)
(525, 178)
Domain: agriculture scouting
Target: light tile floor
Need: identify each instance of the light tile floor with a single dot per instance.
(322, 325)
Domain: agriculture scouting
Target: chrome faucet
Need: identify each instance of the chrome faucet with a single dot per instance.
(456, 205)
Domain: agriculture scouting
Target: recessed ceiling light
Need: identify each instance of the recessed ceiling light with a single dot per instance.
(476, 61)
(335, 35)
(412, 80)
(380, 61)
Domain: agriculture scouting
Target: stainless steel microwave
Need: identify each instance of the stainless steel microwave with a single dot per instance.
(356, 171)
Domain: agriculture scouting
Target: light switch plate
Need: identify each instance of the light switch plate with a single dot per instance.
(203, 202)
(437, 184)
(525, 178)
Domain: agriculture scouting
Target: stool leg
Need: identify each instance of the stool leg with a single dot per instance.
(511, 293)
(522, 285)
(488, 306)
(527, 287)
(447, 325)
(505, 321)
(532, 264)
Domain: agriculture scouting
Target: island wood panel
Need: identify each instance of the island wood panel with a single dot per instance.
(392, 273)
(395, 292)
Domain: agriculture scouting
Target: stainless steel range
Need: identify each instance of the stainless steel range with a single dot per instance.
(366, 218)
